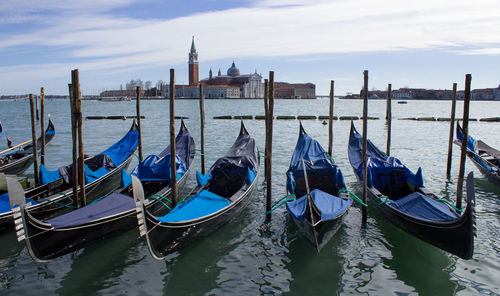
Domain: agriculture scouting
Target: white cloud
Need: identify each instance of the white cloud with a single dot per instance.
(271, 28)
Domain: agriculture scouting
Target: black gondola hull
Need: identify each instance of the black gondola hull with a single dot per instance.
(166, 238)
(455, 237)
(62, 199)
(46, 243)
(493, 177)
(322, 232)
(17, 166)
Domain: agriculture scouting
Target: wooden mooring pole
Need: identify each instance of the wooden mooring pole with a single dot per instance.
(452, 130)
(138, 111)
(388, 117)
(74, 171)
(33, 139)
(42, 125)
(36, 106)
(173, 171)
(266, 111)
(269, 145)
(465, 137)
(77, 108)
(365, 157)
(202, 128)
(330, 120)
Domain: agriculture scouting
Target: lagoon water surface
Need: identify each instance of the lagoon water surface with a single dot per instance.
(249, 256)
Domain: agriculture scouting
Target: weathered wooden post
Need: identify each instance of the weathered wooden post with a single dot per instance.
(388, 117)
(74, 170)
(365, 157)
(77, 101)
(33, 139)
(330, 121)
(266, 121)
(42, 124)
(36, 106)
(138, 109)
(173, 173)
(465, 138)
(202, 127)
(269, 145)
(452, 129)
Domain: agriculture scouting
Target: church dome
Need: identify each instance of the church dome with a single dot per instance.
(233, 71)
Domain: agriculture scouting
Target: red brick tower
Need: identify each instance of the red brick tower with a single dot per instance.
(193, 65)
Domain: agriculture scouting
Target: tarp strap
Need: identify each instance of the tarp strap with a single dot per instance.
(450, 204)
(282, 201)
(351, 194)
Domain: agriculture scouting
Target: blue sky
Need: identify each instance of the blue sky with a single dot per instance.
(422, 44)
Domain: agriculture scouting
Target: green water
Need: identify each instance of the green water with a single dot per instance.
(251, 257)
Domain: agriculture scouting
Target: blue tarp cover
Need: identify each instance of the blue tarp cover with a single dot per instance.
(330, 206)
(5, 204)
(423, 207)
(200, 205)
(47, 176)
(316, 161)
(121, 150)
(201, 179)
(149, 170)
(110, 205)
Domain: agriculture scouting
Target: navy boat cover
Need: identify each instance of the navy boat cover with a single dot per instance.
(197, 206)
(157, 167)
(330, 206)
(423, 207)
(317, 164)
(110, 205)
(229, 172)
(379, 164)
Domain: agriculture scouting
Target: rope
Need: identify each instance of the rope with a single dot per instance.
(155, 197)
(351, 194)
(382, 200)
(97, 199)
(262, 154)
(58, 203)
(185, 197)
(279, 203)
(450, 204)
(138, 159)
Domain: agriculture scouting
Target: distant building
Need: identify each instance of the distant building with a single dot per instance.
(284, 90)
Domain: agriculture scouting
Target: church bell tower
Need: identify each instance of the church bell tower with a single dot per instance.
(193, 65)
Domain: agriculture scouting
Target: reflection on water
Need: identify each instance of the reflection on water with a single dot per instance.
(249, 256)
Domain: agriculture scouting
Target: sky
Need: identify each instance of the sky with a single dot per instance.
(420, 44)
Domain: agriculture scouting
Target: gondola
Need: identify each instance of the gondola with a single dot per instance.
(112, 214)
(485, 157)
(18, 159)
(102, 175)
(317, 183)
(401, 197)
(221, 195)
